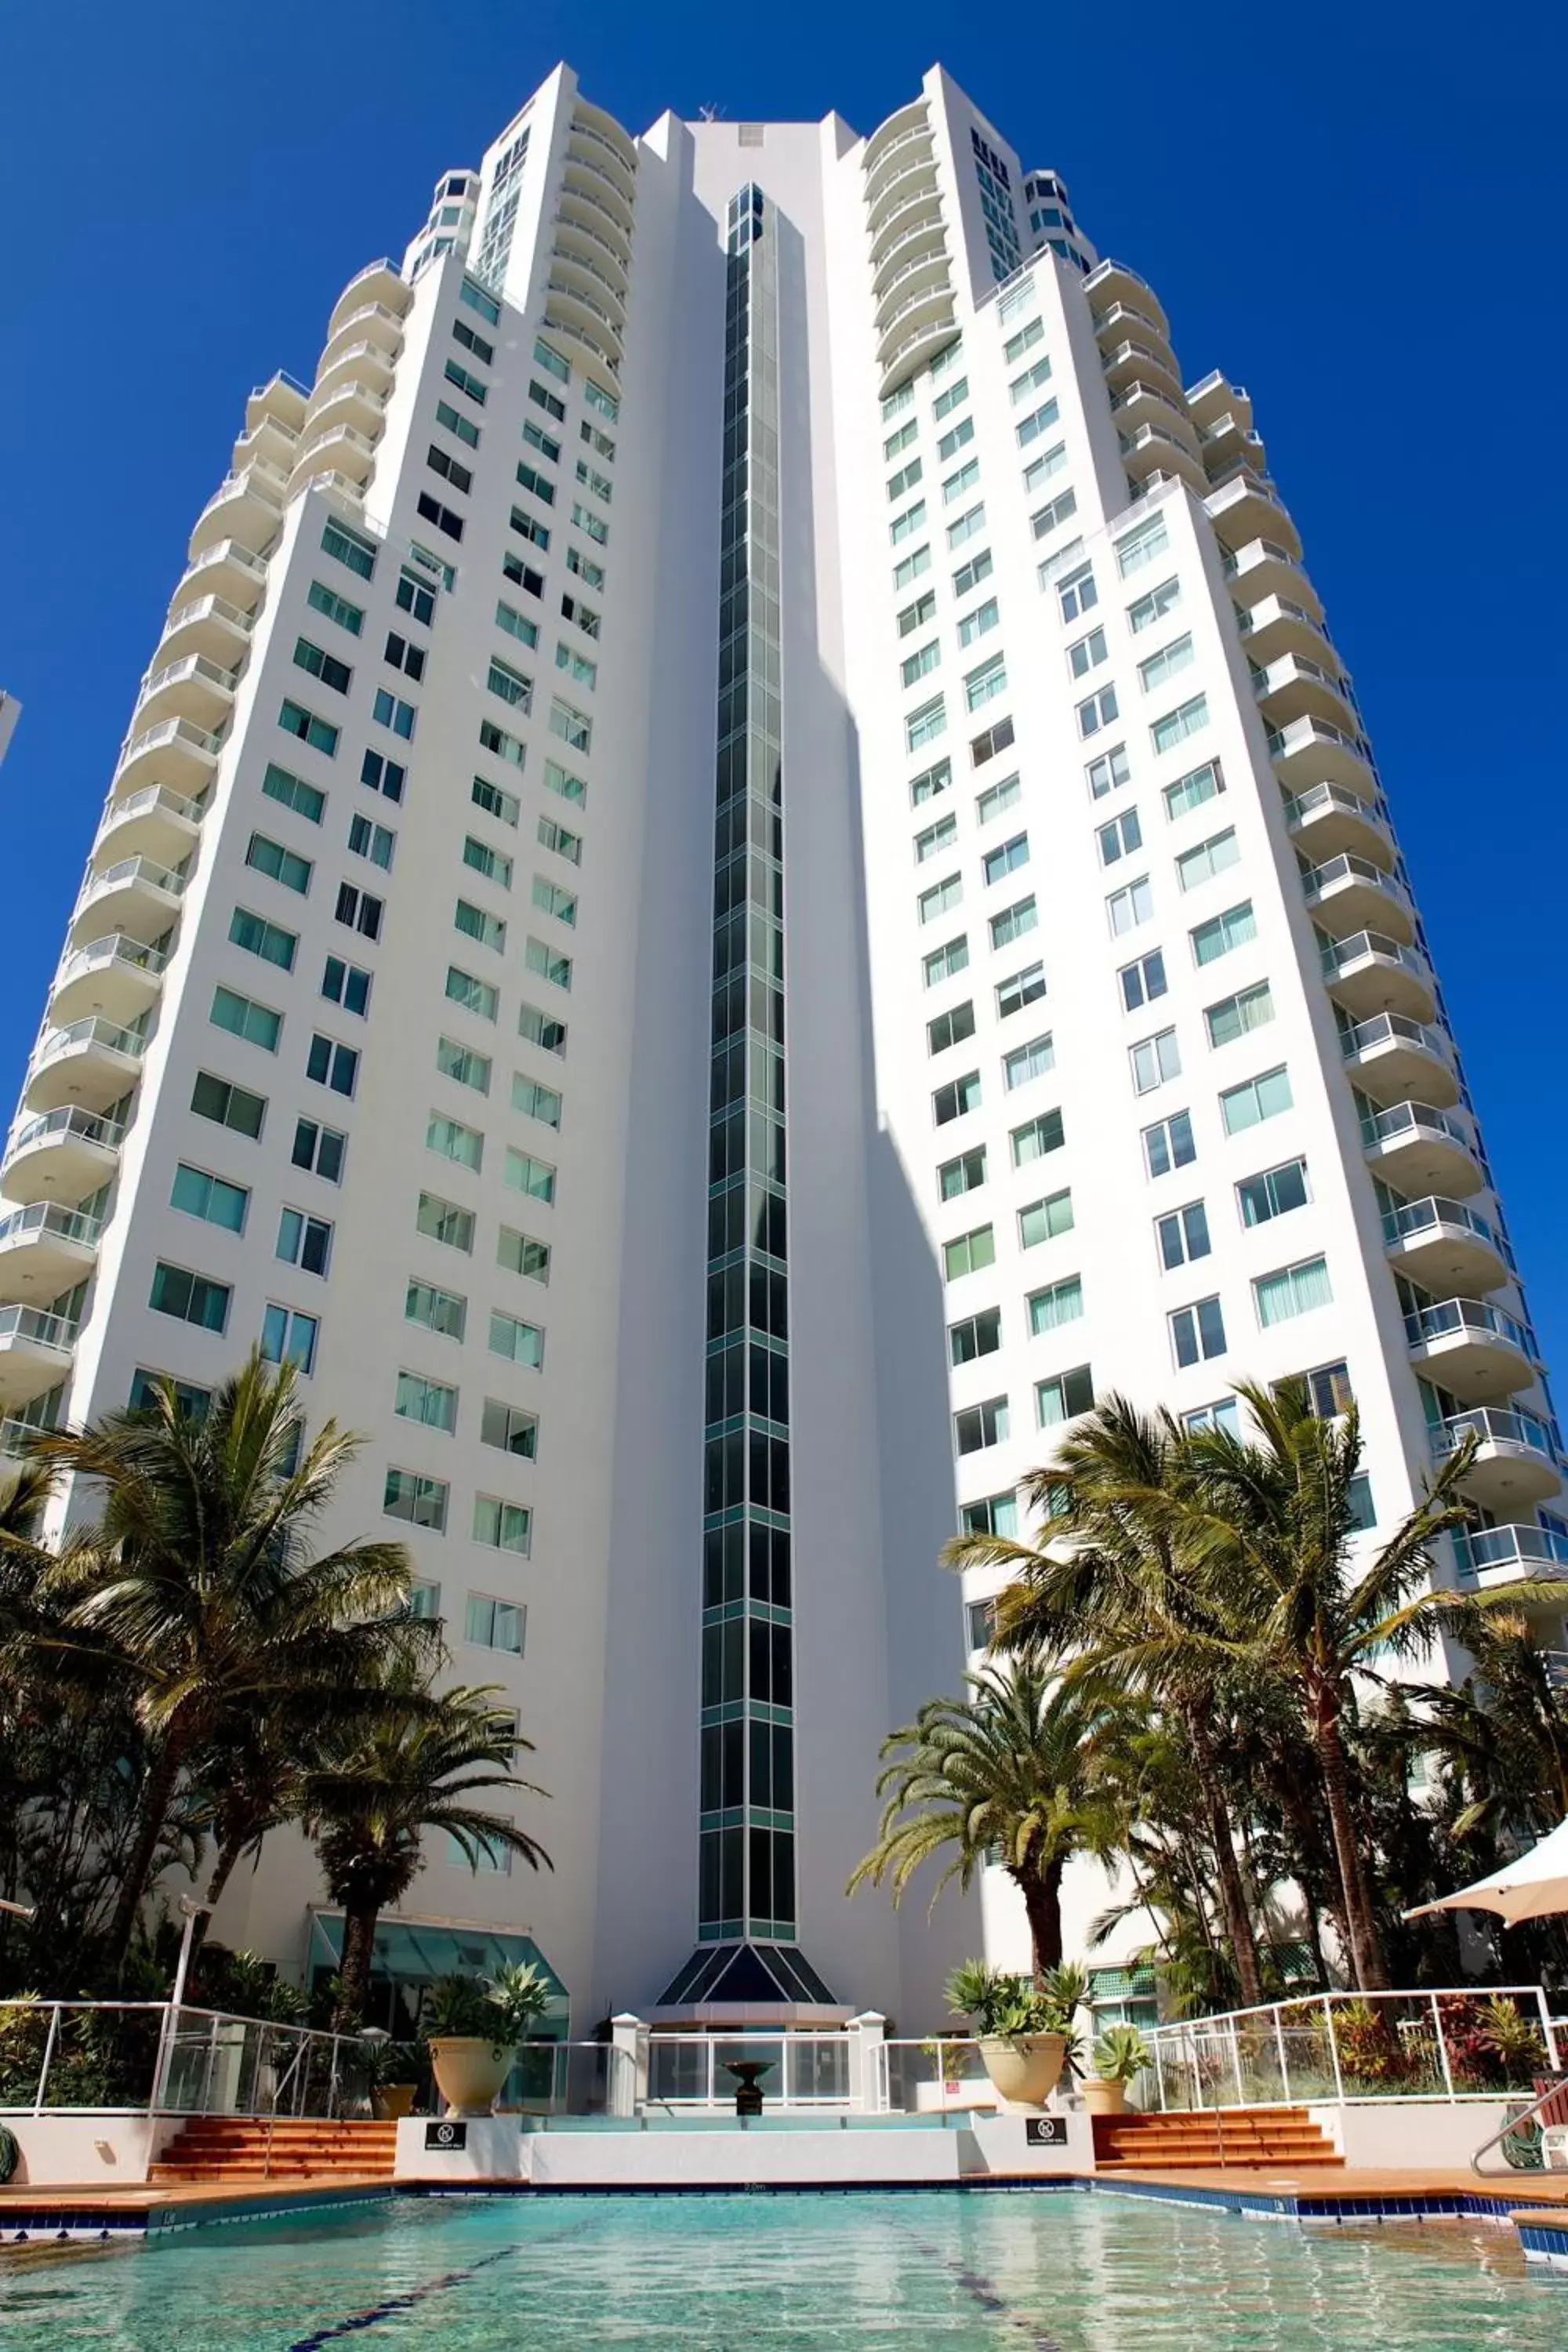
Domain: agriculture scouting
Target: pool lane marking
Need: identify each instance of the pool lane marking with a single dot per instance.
(988, 2295)
(394, 2304)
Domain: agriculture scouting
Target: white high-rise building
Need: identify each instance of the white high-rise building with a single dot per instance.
(705, 1200)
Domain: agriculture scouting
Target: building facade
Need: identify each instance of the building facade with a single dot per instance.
(744, 872)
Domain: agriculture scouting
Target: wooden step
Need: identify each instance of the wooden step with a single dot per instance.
(1200, 2139)
(217, 2148)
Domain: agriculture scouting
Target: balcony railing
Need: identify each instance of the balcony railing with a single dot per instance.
(1451, 1316)
(1494, 1425)
(48, 1217)
(1536, 1551)
(1394, 1028)
(33, 1323)
(1338, 954)
(93, 1031)
(1425, 1216)
(130, 870)
(117, 948)
(1411, 1119)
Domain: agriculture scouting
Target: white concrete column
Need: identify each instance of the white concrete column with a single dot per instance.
(629, 2069)
(866, 2034)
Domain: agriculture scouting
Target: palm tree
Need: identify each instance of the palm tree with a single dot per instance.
(200, 1584)
(377, 1784)
(1271, 1521)
(1008, 1771)
(1508, 1739)
(1129, 1598)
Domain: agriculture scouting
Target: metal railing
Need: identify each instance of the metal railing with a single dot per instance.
(1347, 2049)
(1392, 1029)
(805, 2070)
(147, 2057)
(935, 2077)
(1452, 1317)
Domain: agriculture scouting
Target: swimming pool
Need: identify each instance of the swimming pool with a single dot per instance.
(926, 2272)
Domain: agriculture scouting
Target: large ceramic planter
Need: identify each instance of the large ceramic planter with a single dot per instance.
(1024, 2068)
(470, 2073)
(392, 2101)
(1104, 2098)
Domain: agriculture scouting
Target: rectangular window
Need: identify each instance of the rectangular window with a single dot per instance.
(304, 1240)
(1129, 907)
(508, 1429)
(346, 984)
(534, 1177)
(190, 1297)
(1153, 607)
(401, 655)
(1024, 341)
(461, 1063)
(1050, 463)
(279, 864)
(940, 897)
(319, 1150)
(1141, 546)
(1045, 1220)
(429, 1402)
(538, 956)
(573, 726)
(538, 485)
(1038, 1137)
(1273, 1193)
(421, 1501)
(1014, 922)
(496, 803)
(536, 1101)
(494, 1624)
(915, 616)
(904, 526)
(475, 995)
(960, 1094)
(997, 799)
(1224, 1415)
(930, 782)
(1191, 790)
(463, 333)
(954, 397)
(413, 594)
(210, 1198)
(924, 725)
(444, 1222)
(504, 746)
(1100, 710)
(1294, 1290)
(510, 684)
(501, 1527)
(493, 863)
(1197, 1332)
(475, 924)
(1249, 1008)
(1257, 1099)
(949, 1029)
(569, 787)
(551, 900)
(1111, 768)
(1025, 987)
(290, 1338)
(1183, 1235)
(331, 1064)
(1039, 420)
(1030, 381)
(977, 1335)
(1027, 1062)
(1155, 1060)
(1144, 982)
(968, 526)
(367, 839)
(541, 398)
(1087, 653)
(1078, 594)
(984, 685)
(228, 1106)
(1119, 838)
(462, 427)
(1164, 666)
(294, 794)
(529, 528)
(388, 712)
(358, 555)
(521, 1254)
(899, 441)
(515, 623)
(446, 518)
(593, 526)
(518, 1342)
(551, 835)
(326, 666)
(909, 568)
(541, 1029)
(1063, 1398)
(981, 1425)
(243, 1017)
(383, 775)
(968, 576)
(1207, 859)
(934, 838)
(959, 484)
(1177, 725)
(1061, 1303)
(1170, 1144)
(964, 1174)
(1216, 938)
(916, 665)
(905, 479)
(453, 1141)
(1051, 517)
(972, 1253)
(1007, 858)
(442, 1311)
(943, 963)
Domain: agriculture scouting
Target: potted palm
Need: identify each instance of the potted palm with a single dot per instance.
(473, 2029)
(1118, 2054)
(1019, 2026)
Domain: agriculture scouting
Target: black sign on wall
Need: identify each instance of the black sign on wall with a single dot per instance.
(1045, 2131)
(446, 2135)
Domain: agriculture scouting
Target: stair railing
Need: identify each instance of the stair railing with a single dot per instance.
(1555, 2097)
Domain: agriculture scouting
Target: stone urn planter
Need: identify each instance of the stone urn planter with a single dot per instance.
(390, 2101)
(469, 2072)
(1103, 2098)
(1024, 2068)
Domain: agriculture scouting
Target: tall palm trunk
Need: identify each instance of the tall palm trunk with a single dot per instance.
(157, 1796)
(354, 1970)
(1367, 1962)
(1042, 1897)
(1233, 1903)
(221, 1871)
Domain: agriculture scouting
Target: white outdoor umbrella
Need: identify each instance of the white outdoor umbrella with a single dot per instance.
(1530, 1888)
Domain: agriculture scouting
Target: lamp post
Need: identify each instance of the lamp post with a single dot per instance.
(190, 1912)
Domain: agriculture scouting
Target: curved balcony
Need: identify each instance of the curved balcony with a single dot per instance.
(153, 823)
(191, 687)
(588, 318)
(918, 306)
(886, 134)
(917, 144)
(1245, 508)
(1473, 1349)
(582, 175)
(1139, 402)
(370, 328)
(1496, 1558)
(1135, 362)
(918, 349)
(65, 1156)
(341, 487)
(1419, 1149)
(1326, 820)
(911, 183)
(1262, 567)
(917, 213)
(35, 1352)
(174, 752)
(1294, 687)
(117, 977)
(1123, 323)
(1349, 894)
(341, 450)
(1368, 973)
(921, 272)
(247, 506)
(266, 442)
(360, 363)
(1112, 281)
(584, 144)
(135, 895)
(228, 570)
(1310, 751)
(1227, 444)
(587, 252)
(209, 626)
(1446, 1247)
(926, 236)
(594, 342)
(280, 398)
(376, 286)
(1516, 1457)
(44, 1249)
(592, 122)
(1396, 1060)
(590, 220)
(91, 1063)
(349, 400)
(1152, 451)
(1275, 625)
(1213, 396)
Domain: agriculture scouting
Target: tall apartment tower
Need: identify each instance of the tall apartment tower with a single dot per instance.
(745, 871)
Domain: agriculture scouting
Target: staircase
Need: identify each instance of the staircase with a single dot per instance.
(1199, 2140)
(216, 2149)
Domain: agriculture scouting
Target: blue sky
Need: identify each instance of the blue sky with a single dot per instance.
(1356, 210)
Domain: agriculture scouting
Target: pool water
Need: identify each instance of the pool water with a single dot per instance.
(919, 2273)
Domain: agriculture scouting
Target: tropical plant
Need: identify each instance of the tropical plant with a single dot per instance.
(380, 1779)
(1008, 1772)
(1120, 2054)
(200, 1588)
(457, 2008)
(520, 1993)
(998, 2004)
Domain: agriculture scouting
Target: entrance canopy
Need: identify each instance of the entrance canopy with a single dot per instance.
(411, 1954)
(1534, 1887)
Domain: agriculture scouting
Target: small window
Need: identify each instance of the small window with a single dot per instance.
(1294, 1290)
(1141, 983)
(293, 793)
(1007, 858)
(1257, 1099)
(1025, 987)
(1177, 725)
(475, 995)
(190, 1297)
(367, 839)
(1045, 1220)
(1216, 938)
(461, 1062)
(981, 1425)
(333, 1065)
(494, 1624)
(508, 1429)
(243, 1017)
(1127, 907)
(1190, 792)
(452, 1140)
(1155, 1061)
(346, 984)
(997, 799)
(1153, 607)
(964, 1174)
(1065, 1396)
(290, 1338)
(444, 1222)
(1119, 838)
(1087, 653)
(429, 1402)
(1061, 1303)
(518, 1342)
(533, 1178)
(441, 1311)
(976, 1336)
(970, 1253)
(383, 775)
(1273, 1193)
(1027, 1062)
(1235, 1016)
(228, 1106)
(422, 1502)
(1038, 1137)
(1169, 1144)
(521, 1254)
(949, 1029)
(1141, 546)
(279, 864)
(320, 1150)
(1183, 1235)
(1106, 772)
(1100, 710)
(502, 1527)
(209, 1197)
(1197, 1333)
(952, 1100)
(304, 1240)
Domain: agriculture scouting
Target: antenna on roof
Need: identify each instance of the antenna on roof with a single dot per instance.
(711, 112)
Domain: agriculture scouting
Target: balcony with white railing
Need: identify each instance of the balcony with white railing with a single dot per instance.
(1349, 894)
(1516, 1462)
(579, 229)
(135, 895)
(615, 181)
(595, 187)
(1150, 453)
(226, 570)
(91, 1062)
(1227, 444)
(592, 257)
(349, 400)
(1142, 402)
(1475, 1349)
(590, 220)
(1312, 751)
(911, 183)
(1277, 625)
(1448, 1249)
(1123, 323)
(583, 316)
(587, 142)
(1421, 1150)
(1395, 1059)
(118, 977)
(191, 687)
(247, 506)
(917, 310)
(65, 1155)
(1327, 822)
(1294, 686)
(915, 141)
(377, 286)
(1492, 1558)
(912, 117)
(339, 449)
(153, 823)
(602, 131)
(266, 441)
(598, 350)
(1245, 506)
(35, 1353)
(44, 1249)
(1370, 972)
(1136, 359)
(208, 625)
(1112, 281)
(174, 752)
(927, 337)
(1262, 568)
(924, 237)
(362, 362)
(926, 268)
(281, 399)
(1214, 396)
